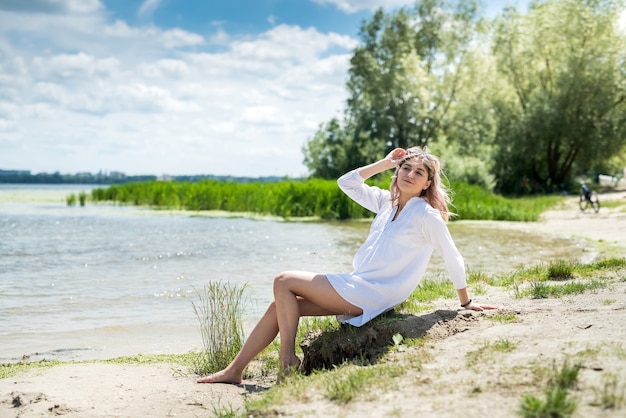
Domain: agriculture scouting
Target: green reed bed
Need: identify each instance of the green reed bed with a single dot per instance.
(305, 199)
(474, 202)
(311, 198)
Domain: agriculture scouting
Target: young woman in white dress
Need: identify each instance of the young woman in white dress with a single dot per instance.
(410, 222)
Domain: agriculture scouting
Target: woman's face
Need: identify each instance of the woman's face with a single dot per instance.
(412, 178)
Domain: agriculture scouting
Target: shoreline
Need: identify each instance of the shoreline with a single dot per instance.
(583, 322)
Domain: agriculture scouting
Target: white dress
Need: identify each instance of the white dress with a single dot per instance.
(393, 259)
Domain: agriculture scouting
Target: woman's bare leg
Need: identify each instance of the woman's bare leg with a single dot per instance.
(261, 336)
(315, 288)
(268, 326)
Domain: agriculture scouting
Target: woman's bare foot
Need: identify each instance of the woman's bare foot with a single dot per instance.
(287, 369)
(221, 377)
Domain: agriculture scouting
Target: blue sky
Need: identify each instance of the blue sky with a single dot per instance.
(225, 87)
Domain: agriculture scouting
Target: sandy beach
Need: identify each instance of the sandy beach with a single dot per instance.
(445, 387)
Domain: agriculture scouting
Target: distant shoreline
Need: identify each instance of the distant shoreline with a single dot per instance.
(116, 177)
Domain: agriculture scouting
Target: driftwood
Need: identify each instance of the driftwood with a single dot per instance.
(369, 342)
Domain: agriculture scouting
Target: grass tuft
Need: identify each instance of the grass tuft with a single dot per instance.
(560, 270)
(611, 395)
(219, 311)
(344, 387)
(504, 317)
(557, 401)
(488, 349)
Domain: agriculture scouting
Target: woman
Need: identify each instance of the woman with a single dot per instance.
(410, 221)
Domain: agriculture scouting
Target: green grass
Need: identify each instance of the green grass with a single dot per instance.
(543, 290)
(343, 388)
(473, 202)
(504, 318)
(186, 360)
(557, 401)
(610, 395)
(11, 369)
(615, 203)
(487, 350)
(559, 270)
(342, 385)
(557, 404)
(219, 310)
(71, 200)
(288, 198)
(313, 198)
(432, 289)
(572, 277)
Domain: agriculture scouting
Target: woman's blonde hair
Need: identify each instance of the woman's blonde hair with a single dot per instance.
(437, 195)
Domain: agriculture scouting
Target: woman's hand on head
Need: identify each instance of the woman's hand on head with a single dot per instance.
(396, 156)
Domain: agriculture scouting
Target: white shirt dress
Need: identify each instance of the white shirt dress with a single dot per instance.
(393, 259)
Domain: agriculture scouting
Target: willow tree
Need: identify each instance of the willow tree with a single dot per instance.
(564, 108)
(403, 80)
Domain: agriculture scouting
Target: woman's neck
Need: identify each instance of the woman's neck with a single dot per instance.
(402, 201)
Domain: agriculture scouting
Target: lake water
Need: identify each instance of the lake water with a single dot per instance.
(102, 281)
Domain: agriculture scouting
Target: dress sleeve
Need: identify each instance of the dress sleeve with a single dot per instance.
(437, 232)
(370, 197)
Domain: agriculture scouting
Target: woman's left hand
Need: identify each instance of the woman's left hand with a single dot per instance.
(396, 156)
(479, 307)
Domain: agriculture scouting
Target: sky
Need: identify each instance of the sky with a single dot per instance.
(176, 87)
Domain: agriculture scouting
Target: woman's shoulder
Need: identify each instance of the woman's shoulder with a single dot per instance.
(429, 213)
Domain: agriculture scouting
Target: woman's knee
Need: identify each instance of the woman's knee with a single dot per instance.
(281, 280)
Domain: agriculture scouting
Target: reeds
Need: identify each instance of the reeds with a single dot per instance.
(307, 198)
(474, 202)
(71, 199)
(311, 198)
(219, 311)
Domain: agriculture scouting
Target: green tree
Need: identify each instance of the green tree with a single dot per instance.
(563, 110)
(327, 154)
(403, 80)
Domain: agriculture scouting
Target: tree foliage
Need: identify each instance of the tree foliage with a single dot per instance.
(536, 98)
(403, 81)
(564, 67)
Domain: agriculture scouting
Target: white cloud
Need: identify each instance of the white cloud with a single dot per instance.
(176, 38)
(80, 93)
(148, 7)
(172, 38)
(74, 67)
(288, 44)
(353, 6)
